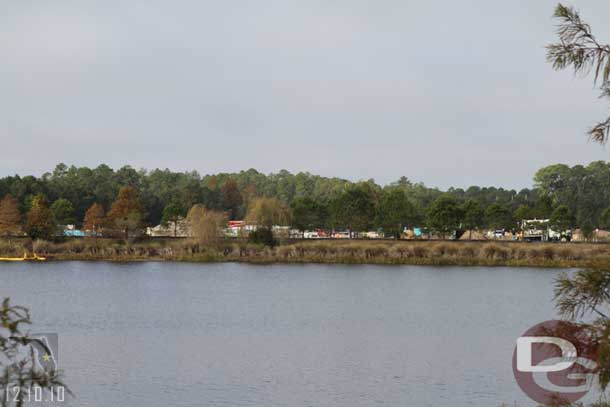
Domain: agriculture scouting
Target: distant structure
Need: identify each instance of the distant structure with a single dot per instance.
(179, 229)
(540, 230)
(534, 230)
(72, 231)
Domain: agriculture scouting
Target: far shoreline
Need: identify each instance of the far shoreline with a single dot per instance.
(346, 252)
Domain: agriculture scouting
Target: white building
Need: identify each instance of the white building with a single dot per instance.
(171, 229)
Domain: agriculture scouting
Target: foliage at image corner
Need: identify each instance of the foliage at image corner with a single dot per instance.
(578, 48)
(21, 375)
(584, 296)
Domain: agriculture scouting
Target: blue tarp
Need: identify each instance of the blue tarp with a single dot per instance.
(74, 233)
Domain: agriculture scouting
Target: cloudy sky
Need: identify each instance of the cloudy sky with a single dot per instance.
(444, 92)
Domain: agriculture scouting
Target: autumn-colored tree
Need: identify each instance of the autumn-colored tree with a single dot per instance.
(10, 218)
(94, 219)
(249, 194)
(40, 223)
(212, 182)
(267, 212)
(126, 211)
(206, 225)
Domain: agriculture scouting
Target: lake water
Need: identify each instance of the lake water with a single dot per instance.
(163, 334)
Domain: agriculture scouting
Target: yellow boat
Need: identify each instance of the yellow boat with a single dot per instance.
(25, 257)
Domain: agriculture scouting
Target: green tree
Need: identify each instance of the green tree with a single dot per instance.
(561, 219)
(63, 212)
(579, 49)
(10, 217)
(307, 214)
(584, 189)
(444, 214)
(472, 216)
(40, 222)
(523, 212)
(604, 220)
(395, 211)
(543, 207)
(354, 209)
(587, 230)
(498, 217)
(173, 213)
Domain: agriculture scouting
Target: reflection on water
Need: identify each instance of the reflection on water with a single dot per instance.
(161, 334)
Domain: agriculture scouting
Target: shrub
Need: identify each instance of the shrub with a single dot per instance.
(490, 250)
(420, 251)
(452, 250)
(501, 253)
(374, 251)
(565, 253)
(468, 251)
(262, 236)
(548, 252)
(520, 254)
(286, 251)
(534, 254)
(398, 251)
(439, 249)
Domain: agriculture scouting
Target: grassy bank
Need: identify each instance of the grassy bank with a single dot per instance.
(345, 252)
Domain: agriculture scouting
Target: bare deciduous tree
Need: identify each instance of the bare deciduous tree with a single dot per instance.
(206, 225)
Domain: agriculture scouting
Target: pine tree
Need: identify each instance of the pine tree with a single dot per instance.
(579, 49)
(63, 212)
(10, 218)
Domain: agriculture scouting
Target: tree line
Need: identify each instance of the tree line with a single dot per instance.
(124, 199)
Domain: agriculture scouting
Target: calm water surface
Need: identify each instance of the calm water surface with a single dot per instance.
(161, 334)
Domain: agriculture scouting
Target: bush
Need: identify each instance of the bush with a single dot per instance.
(468, 251)
(490, 250)
(262, 236)
(548, 253)
(420, 251)
(439, 249)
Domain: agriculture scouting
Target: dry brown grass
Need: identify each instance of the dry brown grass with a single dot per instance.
(335, 251)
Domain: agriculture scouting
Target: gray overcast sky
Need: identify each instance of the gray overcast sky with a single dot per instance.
(451, 93)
